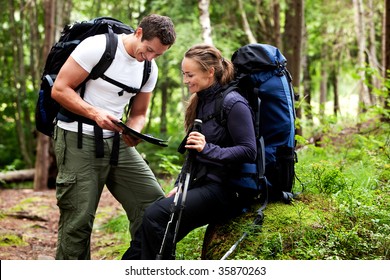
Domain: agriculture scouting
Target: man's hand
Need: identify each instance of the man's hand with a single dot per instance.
(105, 120)
(131, 141)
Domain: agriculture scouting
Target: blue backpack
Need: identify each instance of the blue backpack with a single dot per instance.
(262, 78)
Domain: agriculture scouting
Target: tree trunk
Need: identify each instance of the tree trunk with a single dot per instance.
(307, 88)
(372, 53)
(323, 91)
(56, 13)
(204, 19)
(43, 159)
(276, 16)
(146, 129)
(164, 100)
(306, 79)
(247, 28)
(364, 100)
(35, 56)
(22, 113)
(386, 54)
(335, 84)
(293, 39)
(62, 15)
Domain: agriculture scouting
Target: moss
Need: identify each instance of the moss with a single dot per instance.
(284, 226)
(110, 252)
(12, 240)
(28, 203)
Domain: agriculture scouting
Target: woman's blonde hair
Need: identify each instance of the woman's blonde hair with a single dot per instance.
(207, 56)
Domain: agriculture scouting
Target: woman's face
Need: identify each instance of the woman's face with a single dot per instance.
(195, 77)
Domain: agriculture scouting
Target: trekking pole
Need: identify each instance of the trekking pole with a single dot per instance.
(190, 158)
(258, 221)
(169, 224)
(182, 190)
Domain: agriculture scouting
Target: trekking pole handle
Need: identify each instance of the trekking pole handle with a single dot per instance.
(197, 125)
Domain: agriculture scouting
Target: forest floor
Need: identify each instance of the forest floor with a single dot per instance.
(29, 220)
(29, 223)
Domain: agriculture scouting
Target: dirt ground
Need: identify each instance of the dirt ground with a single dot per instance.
(29, 221)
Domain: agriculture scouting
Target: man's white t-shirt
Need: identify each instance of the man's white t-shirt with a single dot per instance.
(102, 94)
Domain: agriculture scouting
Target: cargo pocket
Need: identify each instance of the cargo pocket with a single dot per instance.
(59, 146)
(66, 191)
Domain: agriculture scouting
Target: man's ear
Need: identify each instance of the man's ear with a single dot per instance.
(138, 32)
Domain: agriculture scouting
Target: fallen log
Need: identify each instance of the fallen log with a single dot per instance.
(26, 215)
(17, 176)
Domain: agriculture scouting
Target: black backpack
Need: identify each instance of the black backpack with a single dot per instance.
(47, 109)
(262, 78)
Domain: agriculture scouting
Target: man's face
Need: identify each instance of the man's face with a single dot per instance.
(148, 50)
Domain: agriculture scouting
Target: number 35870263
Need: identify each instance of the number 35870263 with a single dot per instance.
(242, 270)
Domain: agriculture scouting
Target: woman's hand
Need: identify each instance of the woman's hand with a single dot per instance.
(196, 141)
(172, 192)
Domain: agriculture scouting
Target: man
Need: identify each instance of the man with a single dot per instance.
(82, 174)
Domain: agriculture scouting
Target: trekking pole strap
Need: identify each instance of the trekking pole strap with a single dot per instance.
(258, 221)
(173, 209)
(231, 250)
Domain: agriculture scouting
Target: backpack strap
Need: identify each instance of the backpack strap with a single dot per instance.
(108, 55)
(147, 70)
(106, 60)
(219, 113)
(145, 78)
(97, 71)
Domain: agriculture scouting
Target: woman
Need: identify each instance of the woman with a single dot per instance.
(209, 197)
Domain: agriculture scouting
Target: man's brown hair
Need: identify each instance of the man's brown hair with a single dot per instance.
(158, 26)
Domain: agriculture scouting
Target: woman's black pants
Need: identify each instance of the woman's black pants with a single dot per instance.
(208, 203)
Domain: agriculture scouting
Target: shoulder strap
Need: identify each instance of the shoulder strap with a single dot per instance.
(106, 60)
(108, 55)
(146, 75)
(219, 113)
(145, 78)
(147, 71)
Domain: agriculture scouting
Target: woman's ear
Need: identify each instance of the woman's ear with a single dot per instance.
(211, 72)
